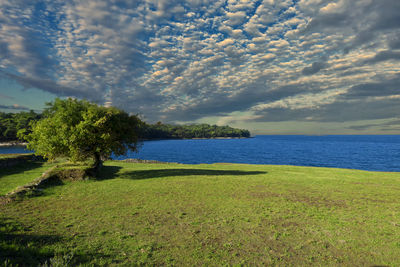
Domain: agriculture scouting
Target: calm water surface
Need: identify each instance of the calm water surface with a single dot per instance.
(371, 152)
(13, 150)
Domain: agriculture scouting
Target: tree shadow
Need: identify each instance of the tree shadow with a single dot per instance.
(19, 248)
(21, 167)
(108, 172)
(41, 190)
(162, 173)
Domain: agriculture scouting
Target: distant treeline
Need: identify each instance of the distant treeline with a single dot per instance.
(167, 131)
(11, 123)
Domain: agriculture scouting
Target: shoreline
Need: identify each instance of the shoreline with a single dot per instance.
(12, 143)
(200, 138)
(19, 143)
(195, 138)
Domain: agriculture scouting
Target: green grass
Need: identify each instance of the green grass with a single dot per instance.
(21, 174)
(14, 155)
(218, 214)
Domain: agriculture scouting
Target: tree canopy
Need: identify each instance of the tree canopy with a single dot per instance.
(11, 123)
(79, 130)
(167, 131)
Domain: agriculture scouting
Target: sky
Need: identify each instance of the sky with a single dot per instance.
(273, 67)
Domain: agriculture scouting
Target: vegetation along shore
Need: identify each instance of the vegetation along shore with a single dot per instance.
(12, 123)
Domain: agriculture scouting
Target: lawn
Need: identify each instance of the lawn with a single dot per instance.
(21, 174)
(217, 214)
(13, 155)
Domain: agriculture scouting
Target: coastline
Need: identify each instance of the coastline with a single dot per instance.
(194, 138)
(12, 143)
(200, 138)
(19, 143)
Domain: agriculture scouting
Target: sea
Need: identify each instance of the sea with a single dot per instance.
(363, 152)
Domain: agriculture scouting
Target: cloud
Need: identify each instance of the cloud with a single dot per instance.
(178, 61)
(383, 56)
(314, 68)
(235, 18)
(236, 119)
(387, 87)
(391, 125)
(364, 101)
(386, 14)
(327, 21)
(49, 86)
(394, 42)
(226, 42)
(2, 96)
(14, 107)
(338, 111)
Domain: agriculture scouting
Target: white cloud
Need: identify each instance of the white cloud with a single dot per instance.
(333, 7)
(235, 18)
(227, 41)
(279, 43)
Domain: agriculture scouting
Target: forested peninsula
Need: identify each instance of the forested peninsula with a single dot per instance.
(11, 123)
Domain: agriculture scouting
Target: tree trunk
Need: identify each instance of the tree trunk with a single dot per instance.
(98, 163)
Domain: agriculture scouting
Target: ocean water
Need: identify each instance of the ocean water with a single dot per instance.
(13, 150)
(363, 152)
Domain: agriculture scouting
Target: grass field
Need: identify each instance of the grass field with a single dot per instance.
(21, 174)
(13, 155)
(212, 215)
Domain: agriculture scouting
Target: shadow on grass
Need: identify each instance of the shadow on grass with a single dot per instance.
(161, 173)
(53, 182)
(22, 249)
(19, 248)
(108, 172)
(21, 167)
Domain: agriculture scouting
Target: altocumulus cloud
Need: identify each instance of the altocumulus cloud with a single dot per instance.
(178, 61)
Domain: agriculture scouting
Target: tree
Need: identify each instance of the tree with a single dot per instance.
(11, 123)
(79, 130)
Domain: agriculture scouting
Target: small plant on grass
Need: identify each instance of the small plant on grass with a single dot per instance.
(59, 261)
